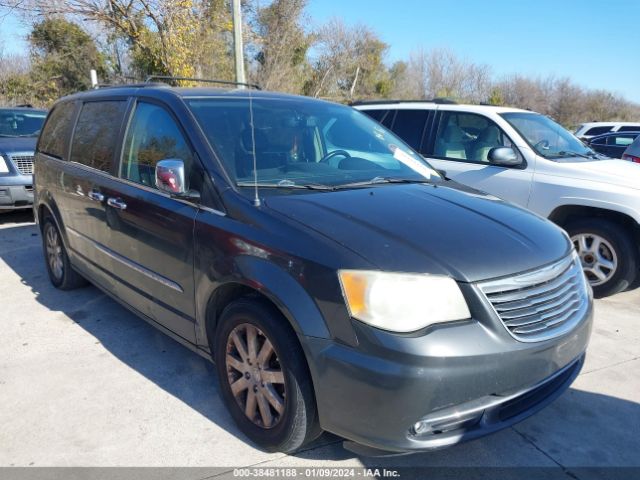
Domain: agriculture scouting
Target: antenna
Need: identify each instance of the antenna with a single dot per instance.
(256, 198)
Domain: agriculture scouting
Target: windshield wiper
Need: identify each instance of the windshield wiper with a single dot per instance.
(377, 180)
(287, 184)
(568, 153)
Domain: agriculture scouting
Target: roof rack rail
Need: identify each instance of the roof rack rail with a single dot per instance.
(24, 105)
(130, 85)
(150, 78)
(438, 100)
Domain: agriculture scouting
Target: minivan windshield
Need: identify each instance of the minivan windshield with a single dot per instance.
(305, 144)
(20, 122)
(546, 137)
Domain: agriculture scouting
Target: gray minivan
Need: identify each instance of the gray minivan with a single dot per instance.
(337, 281)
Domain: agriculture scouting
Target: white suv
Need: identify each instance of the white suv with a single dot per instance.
(528, 159)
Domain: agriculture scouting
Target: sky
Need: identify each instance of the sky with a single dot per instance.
(593, 42)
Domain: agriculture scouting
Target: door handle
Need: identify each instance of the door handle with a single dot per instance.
(116, 203)
(95, 196)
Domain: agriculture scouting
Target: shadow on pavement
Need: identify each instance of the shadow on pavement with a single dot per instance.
(580, 428)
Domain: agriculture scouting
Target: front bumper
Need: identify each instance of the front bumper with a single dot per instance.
(16, 192)
(464, 380)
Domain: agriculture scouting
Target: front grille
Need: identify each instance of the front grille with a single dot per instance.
(24, 163)
(542, 304)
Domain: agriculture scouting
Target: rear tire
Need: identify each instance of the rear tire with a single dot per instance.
(607, 252)
(61, 273)
(271, 381)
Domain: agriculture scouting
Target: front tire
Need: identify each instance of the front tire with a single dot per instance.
(608, 254)
(61, 273)
(264, 378)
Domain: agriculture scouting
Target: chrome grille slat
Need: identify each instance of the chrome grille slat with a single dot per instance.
(541, 307)
(532, 291)
(545, 325)
(538, 305)
(24, 163)
(532, 301)
(533, 319)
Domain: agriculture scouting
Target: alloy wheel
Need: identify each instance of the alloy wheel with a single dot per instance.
(54, 252)
(598, 257)
(255, 375)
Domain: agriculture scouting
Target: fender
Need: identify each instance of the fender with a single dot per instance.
(45, 200)
(278, 286)
(567, 202)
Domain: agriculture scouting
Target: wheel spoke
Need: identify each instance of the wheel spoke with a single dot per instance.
(240, 347)
(252, 342)
(595, 245)
(235, 363)
(273, 376)
(265, 352)
(597, 273)
(274, 399)
(265, 411)
(603, 262)
(239, 385)
(582, 244)
(250, 407)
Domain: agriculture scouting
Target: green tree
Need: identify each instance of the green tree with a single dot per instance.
(62, 55)
(496, 97)
(282, 45)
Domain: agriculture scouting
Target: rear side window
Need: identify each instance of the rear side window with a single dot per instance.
(96, 134)
(409, 126)
(152, 136)
(630, 128)
(621, 140)
(377, 115)
(598, 130)
(55, 134)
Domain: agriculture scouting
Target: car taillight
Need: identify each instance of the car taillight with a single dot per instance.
(632, 158)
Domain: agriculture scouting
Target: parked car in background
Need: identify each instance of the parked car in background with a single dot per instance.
(613, 144)
(592, 129)
(19, 129)
(339, 282)
(530, 160)
(632, 152)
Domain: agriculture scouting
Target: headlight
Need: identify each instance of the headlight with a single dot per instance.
(402, 302)
(4, 168)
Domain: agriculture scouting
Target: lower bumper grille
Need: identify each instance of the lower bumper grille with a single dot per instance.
(542, 304)
(24, 163)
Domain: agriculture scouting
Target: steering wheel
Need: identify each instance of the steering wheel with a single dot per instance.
(335, 153)
(544, 144)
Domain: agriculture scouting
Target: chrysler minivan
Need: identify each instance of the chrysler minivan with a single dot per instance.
(337, 280)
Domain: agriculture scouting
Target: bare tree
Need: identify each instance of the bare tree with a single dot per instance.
(349, 62)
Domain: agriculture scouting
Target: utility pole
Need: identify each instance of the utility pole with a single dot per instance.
(237, 41)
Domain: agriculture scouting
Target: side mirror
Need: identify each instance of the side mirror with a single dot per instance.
(170, 176)
(504, 156)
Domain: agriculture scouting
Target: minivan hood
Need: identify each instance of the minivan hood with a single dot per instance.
(612, 171)
(17, 144)
(444, 229)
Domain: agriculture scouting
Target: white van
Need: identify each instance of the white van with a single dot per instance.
(527, 158)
